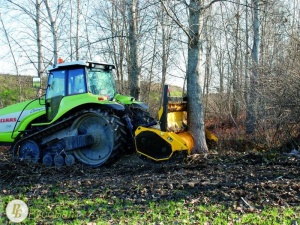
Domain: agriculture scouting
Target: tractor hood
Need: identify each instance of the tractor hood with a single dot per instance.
(11, 115)
(27, 105)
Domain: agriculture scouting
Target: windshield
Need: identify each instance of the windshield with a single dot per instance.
(101, 82)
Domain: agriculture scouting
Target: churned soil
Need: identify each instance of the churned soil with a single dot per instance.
(242, 180)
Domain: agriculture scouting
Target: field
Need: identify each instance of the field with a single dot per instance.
(239, 183)
(14, 89)
(223, 188)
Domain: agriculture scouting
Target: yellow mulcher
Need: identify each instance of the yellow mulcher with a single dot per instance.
(173, 136)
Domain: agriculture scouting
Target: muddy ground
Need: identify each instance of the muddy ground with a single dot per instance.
(244, 181)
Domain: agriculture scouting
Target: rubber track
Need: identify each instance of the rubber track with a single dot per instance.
(118, 127)
(49, 130)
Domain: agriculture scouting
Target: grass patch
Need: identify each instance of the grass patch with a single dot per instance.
(62, 207)
(228, 189)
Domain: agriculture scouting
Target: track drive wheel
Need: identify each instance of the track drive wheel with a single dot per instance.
(29, 151)
(99, 126)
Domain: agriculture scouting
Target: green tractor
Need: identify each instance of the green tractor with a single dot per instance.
(81, 117)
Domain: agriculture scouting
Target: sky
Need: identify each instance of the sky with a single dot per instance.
(11, 21)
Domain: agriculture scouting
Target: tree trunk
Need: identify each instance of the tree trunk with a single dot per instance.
(71, 30)
(166, 36)
(235, 80)
(40, 67)
(194, 92)
(39, 39)
(77, 28)
(53, 30)
(134, 57)
(247, 77)
(251, 120)
(208, 56)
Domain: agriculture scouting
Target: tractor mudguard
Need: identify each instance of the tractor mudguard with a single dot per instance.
(70, 103)
(129, 100)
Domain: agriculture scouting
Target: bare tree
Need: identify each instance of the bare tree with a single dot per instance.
(35, 16)
(39, 38)
(208, 56)
(247, 77)
(194, 90)
(251, 108)
(53, 31)
(134, 64)
(235, 78)
(166, 33)
(77, 28)
(117, 45)
(74, 28)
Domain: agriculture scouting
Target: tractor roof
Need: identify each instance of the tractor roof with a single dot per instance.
(80, 62)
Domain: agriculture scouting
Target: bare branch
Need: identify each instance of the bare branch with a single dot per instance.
(175, 19)
(24, 9)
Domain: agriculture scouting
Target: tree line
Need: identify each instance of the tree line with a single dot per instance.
(237, 61)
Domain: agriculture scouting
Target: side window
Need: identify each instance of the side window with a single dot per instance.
(76, 82)
(56, 84)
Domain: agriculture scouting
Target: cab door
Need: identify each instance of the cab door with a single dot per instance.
(63, 83)
(56, 90)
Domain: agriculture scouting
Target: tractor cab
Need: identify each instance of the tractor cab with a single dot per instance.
(79, 77)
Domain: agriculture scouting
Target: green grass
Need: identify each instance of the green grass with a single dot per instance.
(10, 90)
(176, 93)
(59, 207)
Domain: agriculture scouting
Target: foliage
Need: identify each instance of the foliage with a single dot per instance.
(273, 132)
(14, 89)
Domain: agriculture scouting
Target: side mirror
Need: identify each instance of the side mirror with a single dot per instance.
(36, 82)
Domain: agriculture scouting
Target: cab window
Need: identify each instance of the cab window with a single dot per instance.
(76, 82)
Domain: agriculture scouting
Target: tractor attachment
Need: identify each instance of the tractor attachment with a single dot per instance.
(160, 145)
(173, 135)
